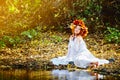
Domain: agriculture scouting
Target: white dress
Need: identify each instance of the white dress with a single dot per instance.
(79, 54)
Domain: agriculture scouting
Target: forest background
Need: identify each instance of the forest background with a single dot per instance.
(34, 28)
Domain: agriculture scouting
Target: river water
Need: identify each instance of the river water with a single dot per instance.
(52, 75)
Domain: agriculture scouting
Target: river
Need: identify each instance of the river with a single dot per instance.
(55, 74)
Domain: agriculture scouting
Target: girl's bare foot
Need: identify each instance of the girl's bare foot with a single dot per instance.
(93, 65)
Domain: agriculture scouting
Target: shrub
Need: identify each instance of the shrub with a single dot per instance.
(29, 33)
(56, 38)
(10, 41)
(2, 44)
(112, 35)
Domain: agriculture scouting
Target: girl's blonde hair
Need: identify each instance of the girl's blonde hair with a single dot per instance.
(84, 29)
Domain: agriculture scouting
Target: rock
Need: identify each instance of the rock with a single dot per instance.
(111, 60)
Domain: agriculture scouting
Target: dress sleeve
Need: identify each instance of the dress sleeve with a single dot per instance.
(69, 47)
(82, 43)
(69, 43)
(81, 46)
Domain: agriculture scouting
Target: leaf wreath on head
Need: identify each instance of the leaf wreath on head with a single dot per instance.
(84, 29)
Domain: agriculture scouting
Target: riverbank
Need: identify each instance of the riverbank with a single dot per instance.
(36, 53)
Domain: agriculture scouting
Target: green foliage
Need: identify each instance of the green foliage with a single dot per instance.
(29, 33)
(56, 38)
(17, 40)
(13, 41)
(92, 13)
(2, 44)
(20, 15)
(112, 35)
(9, 41)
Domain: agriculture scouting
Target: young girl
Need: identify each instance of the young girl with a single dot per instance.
(77, 50)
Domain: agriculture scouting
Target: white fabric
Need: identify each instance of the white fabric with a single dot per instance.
(79, 54)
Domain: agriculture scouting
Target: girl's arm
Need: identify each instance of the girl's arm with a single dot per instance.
(69, 46)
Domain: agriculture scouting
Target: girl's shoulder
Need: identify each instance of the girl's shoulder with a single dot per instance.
(71, 36)
(79, 37)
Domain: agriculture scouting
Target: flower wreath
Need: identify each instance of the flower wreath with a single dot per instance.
(84, 29)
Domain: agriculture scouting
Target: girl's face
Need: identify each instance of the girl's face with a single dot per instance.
(77, 30)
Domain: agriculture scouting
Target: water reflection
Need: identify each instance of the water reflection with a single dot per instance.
(52, 75)
(76, 75)
(25, 75)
